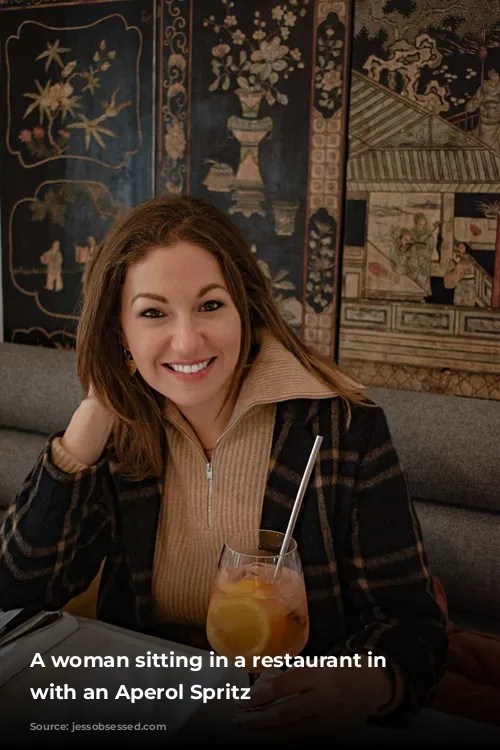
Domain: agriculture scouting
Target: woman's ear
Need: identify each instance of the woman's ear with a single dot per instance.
(121, 338)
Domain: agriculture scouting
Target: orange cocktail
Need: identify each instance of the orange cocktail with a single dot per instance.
(253, 612)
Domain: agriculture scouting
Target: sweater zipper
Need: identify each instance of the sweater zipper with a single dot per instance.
(209, 497)
(210, 464)
(210, 472)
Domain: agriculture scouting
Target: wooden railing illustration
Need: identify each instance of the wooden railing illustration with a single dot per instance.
(464, 120)
(483, 285)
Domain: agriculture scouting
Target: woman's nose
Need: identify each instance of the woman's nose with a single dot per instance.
(185, 336)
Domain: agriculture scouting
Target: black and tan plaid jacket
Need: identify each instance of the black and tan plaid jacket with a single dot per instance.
(365, 569)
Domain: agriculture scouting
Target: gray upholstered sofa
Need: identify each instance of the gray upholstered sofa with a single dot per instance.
(449, 447)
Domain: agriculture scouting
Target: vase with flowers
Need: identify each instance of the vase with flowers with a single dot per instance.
(252, 66)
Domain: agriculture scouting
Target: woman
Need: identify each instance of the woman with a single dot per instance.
(201, 414)
(400, 255)
(461, 276)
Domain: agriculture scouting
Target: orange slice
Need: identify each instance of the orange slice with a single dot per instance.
(245, 625)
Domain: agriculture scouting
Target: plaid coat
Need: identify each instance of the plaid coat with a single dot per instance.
(365, 569)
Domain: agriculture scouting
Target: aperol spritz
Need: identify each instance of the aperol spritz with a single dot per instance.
(254, 610)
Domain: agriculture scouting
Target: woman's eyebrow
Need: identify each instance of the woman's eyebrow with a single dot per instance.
(161, 298)
(209, 287)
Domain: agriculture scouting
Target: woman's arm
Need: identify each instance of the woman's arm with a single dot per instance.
(388, 587)
(59, 527)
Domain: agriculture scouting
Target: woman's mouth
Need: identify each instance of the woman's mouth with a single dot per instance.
(191, 372)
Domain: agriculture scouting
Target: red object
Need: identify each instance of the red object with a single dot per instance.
(475, 230)
(482, 53)
(471, 684)
(376, 269)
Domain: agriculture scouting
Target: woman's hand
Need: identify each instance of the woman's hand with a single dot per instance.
(88, 431)
(317, 700)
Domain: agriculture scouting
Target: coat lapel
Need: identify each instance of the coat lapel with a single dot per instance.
(291, 446)
(139, 513)
(296, 427)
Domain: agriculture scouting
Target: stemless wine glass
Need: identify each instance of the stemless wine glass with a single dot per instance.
(252, 612)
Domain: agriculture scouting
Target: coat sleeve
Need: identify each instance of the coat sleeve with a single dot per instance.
(55, 534)
(389, 593)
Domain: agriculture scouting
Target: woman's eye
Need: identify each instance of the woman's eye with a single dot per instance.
(212, 304)
(152, 312)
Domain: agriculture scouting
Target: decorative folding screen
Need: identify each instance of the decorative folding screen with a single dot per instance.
(421, 261)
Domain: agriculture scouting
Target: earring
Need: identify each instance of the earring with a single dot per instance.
(129, 363)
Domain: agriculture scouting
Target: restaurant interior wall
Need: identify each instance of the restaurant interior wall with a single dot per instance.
(245, 104)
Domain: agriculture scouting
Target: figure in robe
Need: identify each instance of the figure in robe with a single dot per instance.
(461, 276)
(401, 253)
(53, 259)
(487, 100)
(423, 252)
(83, 255)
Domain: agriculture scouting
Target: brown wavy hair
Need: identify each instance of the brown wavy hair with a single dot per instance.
(137, 439)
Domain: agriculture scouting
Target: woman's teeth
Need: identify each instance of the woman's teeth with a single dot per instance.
(190, 368)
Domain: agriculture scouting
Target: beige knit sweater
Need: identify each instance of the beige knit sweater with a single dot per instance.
(204, 502)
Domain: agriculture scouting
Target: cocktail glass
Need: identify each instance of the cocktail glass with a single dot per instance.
(256, 611)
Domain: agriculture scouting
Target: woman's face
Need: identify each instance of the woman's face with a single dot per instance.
(405, 239)
(181, 325)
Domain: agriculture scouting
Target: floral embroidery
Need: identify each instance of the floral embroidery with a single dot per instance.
(56, 102)
(255, 64)
(175, 141)
(328, 74)
(290, 308)
(321, 245)
(34, 140)
(52, 206)
(53, 54)
(239, 37)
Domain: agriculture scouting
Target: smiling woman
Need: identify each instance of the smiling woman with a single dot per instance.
(176, 284)
(202, 407)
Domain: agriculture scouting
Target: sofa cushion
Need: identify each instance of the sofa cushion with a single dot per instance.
(39, 387)
(463, 546)
(468, 621)
(19, 452)
(448, 445)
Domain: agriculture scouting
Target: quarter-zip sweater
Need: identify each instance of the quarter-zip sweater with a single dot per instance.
(204, 501)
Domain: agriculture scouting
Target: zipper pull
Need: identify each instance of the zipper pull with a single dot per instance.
(209, 496)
